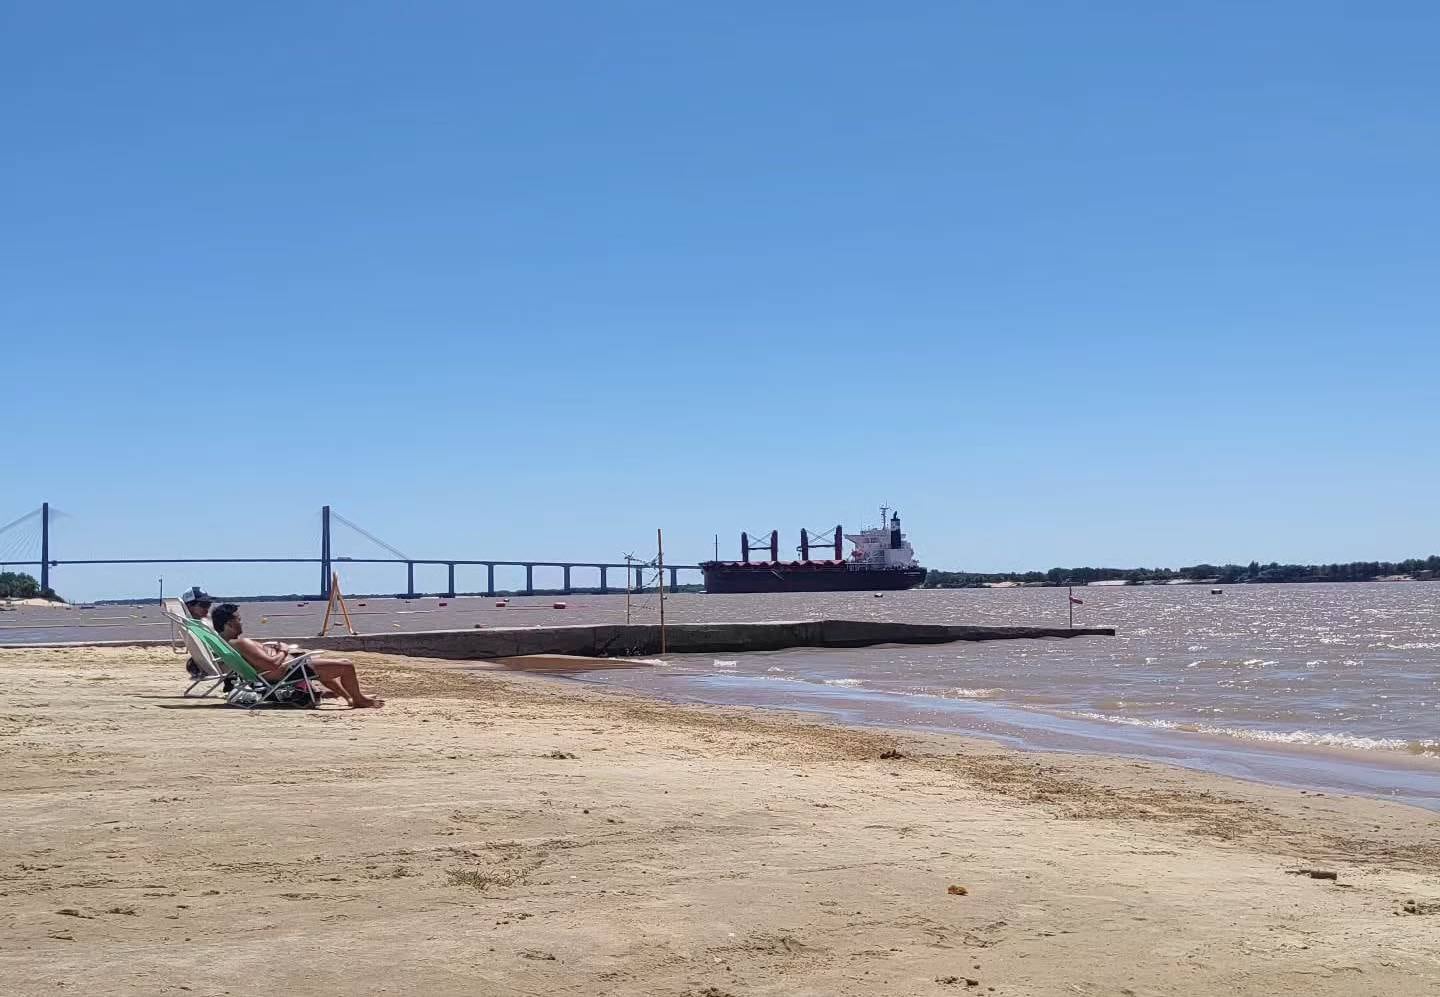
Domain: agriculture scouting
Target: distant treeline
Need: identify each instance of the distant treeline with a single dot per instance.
(1224, 574)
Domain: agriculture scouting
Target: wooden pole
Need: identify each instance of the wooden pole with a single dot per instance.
(344, 609)
(660, 560)
(1070, 603)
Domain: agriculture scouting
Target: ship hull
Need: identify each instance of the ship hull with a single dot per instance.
(746, 578)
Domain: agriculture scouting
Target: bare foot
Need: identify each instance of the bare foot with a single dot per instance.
(366, 704)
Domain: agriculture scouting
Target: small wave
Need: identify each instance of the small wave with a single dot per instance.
(718, 663)
(844, 683)
(962, 693)
(1301, 737)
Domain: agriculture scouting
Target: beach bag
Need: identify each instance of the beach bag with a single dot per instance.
(245, 698)
(293, 696)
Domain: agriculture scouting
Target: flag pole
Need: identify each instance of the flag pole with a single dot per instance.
(660, 561)
(629, 581)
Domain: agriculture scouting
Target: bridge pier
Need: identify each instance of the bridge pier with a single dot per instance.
(565, 589)
(674, 574)
(450, 591)
(44, 548)
(410, 578)
(639, 579)
(603, 586)
(529, 579)
(490, 580)
(325, 552)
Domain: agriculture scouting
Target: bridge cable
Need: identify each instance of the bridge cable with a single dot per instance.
(370, 536)
(16, 522)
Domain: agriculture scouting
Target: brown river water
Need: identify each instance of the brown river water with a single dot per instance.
(1323, 686)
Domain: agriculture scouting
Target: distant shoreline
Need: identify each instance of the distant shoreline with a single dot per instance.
(1418, 569)
(699, 590)
(1177, 583)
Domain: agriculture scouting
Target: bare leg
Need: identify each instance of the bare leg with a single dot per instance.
(339, 674)
(333, 689)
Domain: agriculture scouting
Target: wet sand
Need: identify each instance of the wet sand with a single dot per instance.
(1385, 775)
(507, 834)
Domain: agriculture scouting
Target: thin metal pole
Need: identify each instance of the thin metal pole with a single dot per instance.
(162, 590)
(660, 561)
(629, 584)
(1070, 601)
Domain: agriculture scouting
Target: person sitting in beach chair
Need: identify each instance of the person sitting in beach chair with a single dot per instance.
(197, 606)
(270, 660)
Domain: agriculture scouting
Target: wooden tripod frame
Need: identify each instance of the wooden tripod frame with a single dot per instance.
(337, 598)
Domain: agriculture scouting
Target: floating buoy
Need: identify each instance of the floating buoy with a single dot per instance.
(557, 605)
(879, 595)
(264, 620)
(360, 604)
(444, 604)
(395, 625)
(302, 605)
(502, 603)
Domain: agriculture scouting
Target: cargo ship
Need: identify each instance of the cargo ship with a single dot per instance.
(882, 559)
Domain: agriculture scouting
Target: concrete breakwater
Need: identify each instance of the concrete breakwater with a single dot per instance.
(630, 640)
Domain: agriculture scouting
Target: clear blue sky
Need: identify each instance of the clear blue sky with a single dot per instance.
(1104, 283)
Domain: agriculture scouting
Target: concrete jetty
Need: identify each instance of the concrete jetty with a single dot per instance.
(631, 640)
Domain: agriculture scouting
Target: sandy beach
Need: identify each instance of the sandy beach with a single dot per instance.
(508, 834)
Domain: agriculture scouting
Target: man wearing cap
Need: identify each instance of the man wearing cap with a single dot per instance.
(197, 607)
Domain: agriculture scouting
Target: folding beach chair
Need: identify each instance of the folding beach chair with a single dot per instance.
(212, 673)
(255, 690)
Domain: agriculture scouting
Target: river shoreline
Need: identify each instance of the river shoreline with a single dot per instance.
(1381, 774)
